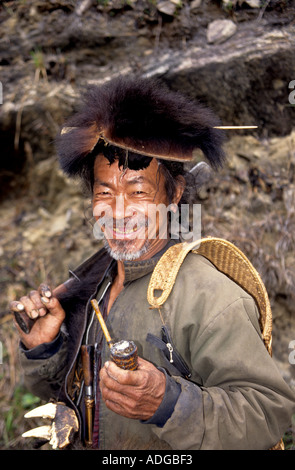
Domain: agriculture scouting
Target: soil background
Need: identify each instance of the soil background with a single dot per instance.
(51, 50)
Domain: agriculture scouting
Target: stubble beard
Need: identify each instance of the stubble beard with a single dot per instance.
(124, 251)
(127, 250)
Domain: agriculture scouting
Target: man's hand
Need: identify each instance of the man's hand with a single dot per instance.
(133, 394)
(41, 306)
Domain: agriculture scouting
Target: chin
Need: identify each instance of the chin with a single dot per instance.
(126, 251)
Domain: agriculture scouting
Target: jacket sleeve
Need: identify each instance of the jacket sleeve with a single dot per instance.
(44, 367)
(242, 402)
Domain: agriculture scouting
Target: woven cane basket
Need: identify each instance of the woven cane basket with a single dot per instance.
(228, 259)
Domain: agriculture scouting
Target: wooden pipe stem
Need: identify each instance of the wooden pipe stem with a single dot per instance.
(102, 322)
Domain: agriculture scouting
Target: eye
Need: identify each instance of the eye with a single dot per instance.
(102, 193)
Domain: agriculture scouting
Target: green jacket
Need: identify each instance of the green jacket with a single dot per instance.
(235, 397)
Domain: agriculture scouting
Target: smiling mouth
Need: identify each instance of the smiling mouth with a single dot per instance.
(125, 231)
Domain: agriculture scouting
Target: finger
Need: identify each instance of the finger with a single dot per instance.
(116, 401)
(35, 298)
(48, 299)
(121, 376)
(21, 319)
(128, 377)
(16, 306)
(145, 365)
(109, 381)
(125, 402)
(54, 307)
(115, 406)
(112, 391)
(45, 291)
(30, 307)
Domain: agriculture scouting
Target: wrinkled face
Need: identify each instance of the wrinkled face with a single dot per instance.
(131, 208)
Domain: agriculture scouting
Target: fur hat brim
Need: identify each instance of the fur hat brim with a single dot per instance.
(143, 116)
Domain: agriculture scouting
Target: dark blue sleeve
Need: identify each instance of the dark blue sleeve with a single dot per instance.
(166, 408)
(45, 350)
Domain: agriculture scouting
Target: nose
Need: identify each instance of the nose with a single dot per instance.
(121, 209)
(118, 207)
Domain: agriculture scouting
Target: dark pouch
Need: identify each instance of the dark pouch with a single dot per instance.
(170, 352)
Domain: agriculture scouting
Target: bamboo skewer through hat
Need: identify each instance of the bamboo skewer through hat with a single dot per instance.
(235, 127)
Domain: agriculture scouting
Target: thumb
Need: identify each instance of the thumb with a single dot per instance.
(54, 307)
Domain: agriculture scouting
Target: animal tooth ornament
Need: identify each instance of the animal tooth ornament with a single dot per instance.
(63, 428)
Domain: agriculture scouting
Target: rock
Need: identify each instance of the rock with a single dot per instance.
(167, 7)
(220, 30)
(260, 203)
(58, 225)
(253, 3)
(235, 78)
(195, 5)
(228, 4)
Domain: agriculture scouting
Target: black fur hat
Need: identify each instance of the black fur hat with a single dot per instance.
(142, 116)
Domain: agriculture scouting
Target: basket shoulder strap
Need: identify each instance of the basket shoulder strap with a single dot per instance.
(165, 273)
(228, 259)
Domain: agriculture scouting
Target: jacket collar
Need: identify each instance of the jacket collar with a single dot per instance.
(136, 269)
(133, 269)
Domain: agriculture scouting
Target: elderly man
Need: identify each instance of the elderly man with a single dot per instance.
(128, 144)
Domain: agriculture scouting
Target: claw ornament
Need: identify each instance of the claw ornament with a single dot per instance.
(61, 432)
